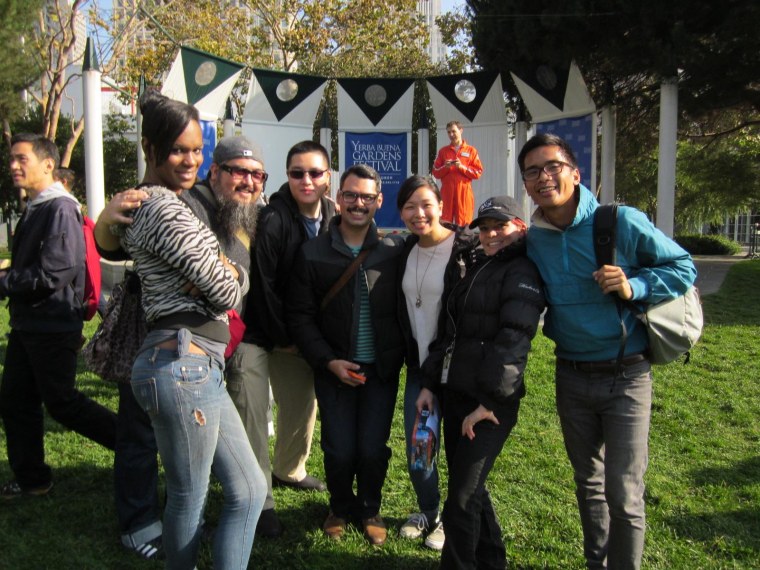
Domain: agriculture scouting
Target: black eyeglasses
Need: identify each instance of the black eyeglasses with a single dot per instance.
(314, 174)
(239, 172)
(351, 197)
(550, 168)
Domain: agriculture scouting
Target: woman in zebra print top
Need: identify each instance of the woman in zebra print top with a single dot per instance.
(187, 287)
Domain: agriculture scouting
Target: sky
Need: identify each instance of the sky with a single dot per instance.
(447, 5)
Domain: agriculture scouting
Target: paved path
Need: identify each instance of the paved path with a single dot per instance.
(712, 270)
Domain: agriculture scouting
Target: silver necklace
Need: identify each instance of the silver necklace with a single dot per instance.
(418, 302)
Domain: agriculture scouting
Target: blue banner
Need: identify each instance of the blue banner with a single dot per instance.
(578, 134)
(209, 144)
(388, 154)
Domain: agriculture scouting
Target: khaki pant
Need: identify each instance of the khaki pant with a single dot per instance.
(249, 374)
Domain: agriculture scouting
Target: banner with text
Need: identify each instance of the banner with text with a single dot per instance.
(388, 153)
(208, 129)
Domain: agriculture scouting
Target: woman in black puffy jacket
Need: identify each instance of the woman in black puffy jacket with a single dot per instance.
(476, 366)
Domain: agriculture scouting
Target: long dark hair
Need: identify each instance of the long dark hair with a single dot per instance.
(164, 120)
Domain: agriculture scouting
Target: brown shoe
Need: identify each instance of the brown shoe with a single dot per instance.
(374, 530)
(334, 527)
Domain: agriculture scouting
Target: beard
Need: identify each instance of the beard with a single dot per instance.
(233, 217)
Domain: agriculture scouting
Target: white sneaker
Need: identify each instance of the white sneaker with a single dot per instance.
(414, 527)
(436, 537)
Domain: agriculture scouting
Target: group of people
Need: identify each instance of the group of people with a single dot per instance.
(333, 308)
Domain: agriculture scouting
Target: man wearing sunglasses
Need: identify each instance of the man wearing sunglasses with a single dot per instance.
(227, 200)
(351, 337)
(296, 213)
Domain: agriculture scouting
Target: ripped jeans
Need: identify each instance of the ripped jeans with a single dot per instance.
(197, 428)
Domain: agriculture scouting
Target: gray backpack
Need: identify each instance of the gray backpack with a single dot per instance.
(673, 326)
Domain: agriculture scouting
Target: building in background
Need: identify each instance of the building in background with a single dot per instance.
(430, 10)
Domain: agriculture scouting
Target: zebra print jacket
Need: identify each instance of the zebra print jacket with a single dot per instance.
(171, 247)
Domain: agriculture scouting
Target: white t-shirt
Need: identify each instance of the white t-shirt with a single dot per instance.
(423, 279)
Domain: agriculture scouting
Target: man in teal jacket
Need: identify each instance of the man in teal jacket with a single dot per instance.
(603, 405)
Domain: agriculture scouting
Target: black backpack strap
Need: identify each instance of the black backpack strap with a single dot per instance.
(605, 248)
(605, 232)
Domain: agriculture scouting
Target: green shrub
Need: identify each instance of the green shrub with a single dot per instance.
(708, 245)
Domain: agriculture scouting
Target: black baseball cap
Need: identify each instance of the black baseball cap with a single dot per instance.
(503, 208)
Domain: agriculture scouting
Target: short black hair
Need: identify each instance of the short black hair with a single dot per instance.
(164, 120)
(362, 171)
(67, 177)
(546, 139)
(42, 147)
(414, 183)
(304, 147)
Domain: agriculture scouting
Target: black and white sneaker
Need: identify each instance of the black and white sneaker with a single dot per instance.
(151, 550)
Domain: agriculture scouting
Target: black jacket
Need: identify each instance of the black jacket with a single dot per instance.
(490, 317)
(279, 235)
(462, 257)
(329, 334)
(45, 283)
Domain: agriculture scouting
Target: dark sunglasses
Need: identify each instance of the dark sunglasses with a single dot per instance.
(314, 174)
(239, 172)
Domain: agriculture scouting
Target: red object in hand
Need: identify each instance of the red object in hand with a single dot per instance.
(357, 376)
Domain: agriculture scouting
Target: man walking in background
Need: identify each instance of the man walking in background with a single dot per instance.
(45, 286)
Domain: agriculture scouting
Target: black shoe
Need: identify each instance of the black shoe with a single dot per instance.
(308, 483)
(151, 550)
(269, 525)
(12, 490)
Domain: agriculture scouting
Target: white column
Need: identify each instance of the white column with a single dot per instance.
(228, 125)
(93, 132)
(609, 129)
(423, 151)
(138, 123)
(521, 137)
(325, 139)
(666, 172)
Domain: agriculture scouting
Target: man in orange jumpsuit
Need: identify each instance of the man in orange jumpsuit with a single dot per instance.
(456, 165)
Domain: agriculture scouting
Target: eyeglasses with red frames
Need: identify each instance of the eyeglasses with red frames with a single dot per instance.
(240, 173)
(313, 173)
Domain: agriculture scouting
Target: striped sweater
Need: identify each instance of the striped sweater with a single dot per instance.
(170, 248)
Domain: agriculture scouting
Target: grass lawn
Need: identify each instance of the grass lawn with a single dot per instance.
(703, 483)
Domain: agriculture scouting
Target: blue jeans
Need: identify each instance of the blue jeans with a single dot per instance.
(135, 473)
(425, 482)
(473, 534)
(356, 426)
(605, 423)
(197, 427)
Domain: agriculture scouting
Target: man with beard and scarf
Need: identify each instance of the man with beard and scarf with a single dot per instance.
(227, 200)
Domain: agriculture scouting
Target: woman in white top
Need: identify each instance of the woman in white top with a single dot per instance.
(435, 257)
